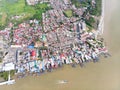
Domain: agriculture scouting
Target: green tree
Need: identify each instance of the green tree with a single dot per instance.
(90, 21)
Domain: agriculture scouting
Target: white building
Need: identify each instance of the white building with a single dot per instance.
(67, 1)
(9, 66)
(32, 2)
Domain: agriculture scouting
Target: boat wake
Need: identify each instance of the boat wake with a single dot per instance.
(62, 81)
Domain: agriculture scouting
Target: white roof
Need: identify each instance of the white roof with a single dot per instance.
(0, 66)
(16, 46)
(8, 66)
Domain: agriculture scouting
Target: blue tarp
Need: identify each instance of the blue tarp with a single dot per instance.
(31, 46)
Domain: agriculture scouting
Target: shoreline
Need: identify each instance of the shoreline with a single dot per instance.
(101, 23)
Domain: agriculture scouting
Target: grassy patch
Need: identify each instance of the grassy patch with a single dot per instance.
(39, 9)
(68, 13)
(4, 75)
(10, 8)
(98, 8)
(76, 3)
(90, 22)
(3, 18)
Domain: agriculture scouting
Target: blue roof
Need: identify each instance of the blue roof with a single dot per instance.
(31, 46)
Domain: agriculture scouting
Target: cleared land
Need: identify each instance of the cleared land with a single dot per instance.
(10, 8)
(68, 13)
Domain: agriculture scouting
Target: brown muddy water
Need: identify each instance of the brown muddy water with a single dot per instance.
(104, 75)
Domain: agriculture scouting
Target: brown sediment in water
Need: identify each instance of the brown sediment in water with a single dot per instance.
(100, 76)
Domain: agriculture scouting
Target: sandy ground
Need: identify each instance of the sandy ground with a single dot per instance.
(104, 75)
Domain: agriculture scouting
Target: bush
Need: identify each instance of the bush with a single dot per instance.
(76, 3)
(0, 60)
(97, 9)
(43, 48)
(40, 8)
(5, 74)
(90, 21)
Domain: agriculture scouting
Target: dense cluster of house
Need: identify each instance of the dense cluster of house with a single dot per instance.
(27, 32)
(58, 40)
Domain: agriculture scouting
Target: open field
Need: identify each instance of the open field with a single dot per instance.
(15, 7)
(68, 13)
(10, 8)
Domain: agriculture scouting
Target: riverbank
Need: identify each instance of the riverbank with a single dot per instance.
(101, 23)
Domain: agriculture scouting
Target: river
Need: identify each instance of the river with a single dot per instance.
(104, 75)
